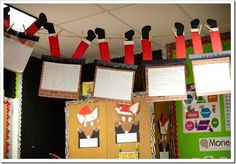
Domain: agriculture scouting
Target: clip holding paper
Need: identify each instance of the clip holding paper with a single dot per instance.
(208, 27)
(200, 29)
(174, 31)
(10, 27)
(24, 29)
(59, 32)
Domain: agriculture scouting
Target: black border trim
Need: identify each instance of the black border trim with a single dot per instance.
(211, 55)
(22, 35)
(115, 65)
(63, 60)
(167, 62)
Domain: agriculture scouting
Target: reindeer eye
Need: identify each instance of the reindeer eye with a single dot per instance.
(91, 123)
(129, 119)
(123, 118)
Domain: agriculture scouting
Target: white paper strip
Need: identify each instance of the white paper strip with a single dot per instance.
(212, 78)
(113, 84)
(16, 55)
(166, 81)
(126, 137)
(61, 77)
(91, 142)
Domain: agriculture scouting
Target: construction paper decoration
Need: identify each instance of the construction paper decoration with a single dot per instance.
(127, 130)
(89, 133)
(60, 80)
(129, 155)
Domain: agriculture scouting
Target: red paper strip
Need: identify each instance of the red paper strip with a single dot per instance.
(104, 51)
(180, 47)
(129, 54)
(146, 49)
(197, 43)
(54, 46)
(82, 47)
(216, 41)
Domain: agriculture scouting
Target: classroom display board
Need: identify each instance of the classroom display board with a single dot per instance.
(165, 83)
(105, 129)
(212, 76)
(16, 52)
(60, 80)
(200, 142)
(201, 114)
(118, 84)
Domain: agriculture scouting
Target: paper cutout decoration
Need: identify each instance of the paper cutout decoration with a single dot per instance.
(87, 89)
(127, 130)
(88, 135)
(113, 84)
(211, 75)
(165, 82)
(129, 155)
(59, 80)
(163, 125)
(16, 52)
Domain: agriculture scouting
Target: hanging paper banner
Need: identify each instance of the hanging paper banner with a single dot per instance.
(201, 114)
(17, 50)
(60, 80)
(165, 80)
(212, 73)
(114, 81)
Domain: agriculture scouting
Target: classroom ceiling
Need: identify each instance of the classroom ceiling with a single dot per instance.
(76, 19)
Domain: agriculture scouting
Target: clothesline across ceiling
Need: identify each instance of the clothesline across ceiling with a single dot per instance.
(82, 36)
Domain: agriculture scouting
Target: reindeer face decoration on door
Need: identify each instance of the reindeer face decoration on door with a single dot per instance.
(127, 130)
(89, 133)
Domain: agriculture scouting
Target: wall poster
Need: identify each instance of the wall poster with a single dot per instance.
(201, 114)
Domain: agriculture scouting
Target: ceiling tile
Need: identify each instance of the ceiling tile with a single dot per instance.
(114, 6)
(112, 26)
(214, 11)
(60, 13)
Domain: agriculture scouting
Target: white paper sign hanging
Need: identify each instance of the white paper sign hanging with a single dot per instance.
(113, 84)
(212, 76)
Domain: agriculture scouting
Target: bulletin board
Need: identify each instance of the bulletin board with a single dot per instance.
(188, 145)
(106, 120)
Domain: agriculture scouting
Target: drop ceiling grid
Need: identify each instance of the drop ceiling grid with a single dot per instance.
(57, 13)
(209, 11)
